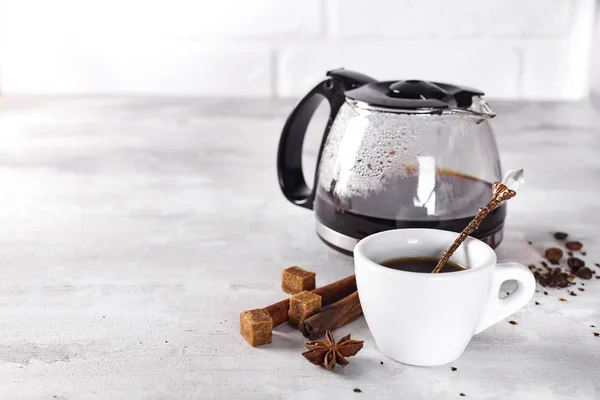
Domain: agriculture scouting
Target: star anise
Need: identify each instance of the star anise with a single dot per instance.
(328, 352)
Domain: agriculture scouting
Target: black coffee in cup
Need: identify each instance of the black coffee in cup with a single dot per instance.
(421, 264)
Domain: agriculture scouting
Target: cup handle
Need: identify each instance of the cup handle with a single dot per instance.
(498, 309)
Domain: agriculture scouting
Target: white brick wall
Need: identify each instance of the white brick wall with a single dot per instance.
(299, 67)
(536, 49)
(451, 19)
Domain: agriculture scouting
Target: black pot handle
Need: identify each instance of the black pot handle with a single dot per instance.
(289, 156)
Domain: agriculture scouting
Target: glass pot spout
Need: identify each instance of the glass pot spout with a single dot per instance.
(479, 108)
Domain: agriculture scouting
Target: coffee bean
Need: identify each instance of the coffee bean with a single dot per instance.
(575, 263)
(553, 254)
(560, 235)
(584, 273)
(575, 246)
(539, 279)
(596, 334)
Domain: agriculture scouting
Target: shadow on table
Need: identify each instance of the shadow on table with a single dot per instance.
(287, 338)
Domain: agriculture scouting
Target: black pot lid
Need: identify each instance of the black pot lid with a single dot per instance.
(414, 94)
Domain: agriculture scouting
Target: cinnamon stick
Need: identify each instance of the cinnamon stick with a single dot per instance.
(333, 317)
(329, 294)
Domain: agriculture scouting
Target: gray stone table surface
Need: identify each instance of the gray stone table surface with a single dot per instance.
(133, 232)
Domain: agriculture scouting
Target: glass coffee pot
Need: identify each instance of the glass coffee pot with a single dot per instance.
(394, 154)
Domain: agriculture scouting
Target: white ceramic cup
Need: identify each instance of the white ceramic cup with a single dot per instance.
(428, 319)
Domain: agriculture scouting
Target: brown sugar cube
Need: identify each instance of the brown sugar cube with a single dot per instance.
(302, 306)
(256, 327)
(295, 279)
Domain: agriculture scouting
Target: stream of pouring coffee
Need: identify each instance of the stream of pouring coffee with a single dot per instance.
(500, 192)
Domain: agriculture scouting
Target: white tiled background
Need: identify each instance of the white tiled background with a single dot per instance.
(535, 49)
